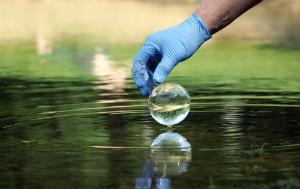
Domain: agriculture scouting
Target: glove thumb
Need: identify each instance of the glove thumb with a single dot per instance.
(163, 69)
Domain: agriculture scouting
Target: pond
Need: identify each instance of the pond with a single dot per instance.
(73, 119)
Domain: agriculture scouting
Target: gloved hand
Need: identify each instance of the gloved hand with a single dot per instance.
(163, 50)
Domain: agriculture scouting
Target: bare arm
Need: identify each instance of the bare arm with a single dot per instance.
(164, 49)
(217, 14)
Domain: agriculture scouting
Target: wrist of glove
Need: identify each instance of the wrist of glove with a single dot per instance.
(163, 50)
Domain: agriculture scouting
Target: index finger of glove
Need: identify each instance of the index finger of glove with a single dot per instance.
(139, 69)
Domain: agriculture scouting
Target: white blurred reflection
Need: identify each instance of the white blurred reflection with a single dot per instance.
(43, 44)
(111, 78)
(43, 31)
(232, 129)
(232, 118)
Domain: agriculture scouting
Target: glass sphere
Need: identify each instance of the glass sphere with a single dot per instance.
(169, 104)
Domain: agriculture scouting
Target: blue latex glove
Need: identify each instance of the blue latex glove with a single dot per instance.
(163, 50)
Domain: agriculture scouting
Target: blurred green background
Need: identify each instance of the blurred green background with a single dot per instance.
(35, 31)
(66, 90)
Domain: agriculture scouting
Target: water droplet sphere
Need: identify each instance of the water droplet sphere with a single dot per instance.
(169, 104)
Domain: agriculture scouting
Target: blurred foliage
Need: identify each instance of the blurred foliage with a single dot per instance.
(22, 61)
(215, 62)
(241, 65)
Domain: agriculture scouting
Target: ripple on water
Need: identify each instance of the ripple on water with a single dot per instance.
(89, 129)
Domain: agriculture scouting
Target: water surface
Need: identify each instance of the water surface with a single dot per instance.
(244, 129)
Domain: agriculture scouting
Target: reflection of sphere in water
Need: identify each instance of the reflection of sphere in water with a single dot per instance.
(171, 154)
(170, 140)
(169, 104)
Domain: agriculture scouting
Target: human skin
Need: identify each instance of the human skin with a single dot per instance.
(217, 14)
(164, 49)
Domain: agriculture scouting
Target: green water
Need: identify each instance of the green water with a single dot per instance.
(63, 126)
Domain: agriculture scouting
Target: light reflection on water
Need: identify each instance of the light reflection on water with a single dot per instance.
(111, 78)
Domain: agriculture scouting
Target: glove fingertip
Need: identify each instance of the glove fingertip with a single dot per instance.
(158, 79)
(145, 91)
(163, 70)
(160, 74)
